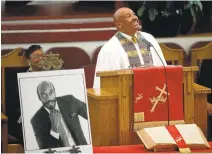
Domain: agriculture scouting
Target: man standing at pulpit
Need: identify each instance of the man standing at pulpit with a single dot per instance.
(128, 48)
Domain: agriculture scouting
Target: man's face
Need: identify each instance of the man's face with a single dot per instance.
(47, 95)
(129, 22)
(35, 57)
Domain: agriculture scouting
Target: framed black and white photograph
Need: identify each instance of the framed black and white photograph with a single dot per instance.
(54, 109)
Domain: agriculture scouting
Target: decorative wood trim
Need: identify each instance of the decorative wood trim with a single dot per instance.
(196, 35)
(129, 71)
(80, 15)
(199, 89)
(200, 53)
(15, 38)
(101, 94)
(14, 58)
(49, 37)
(207, 46)
(57, 26)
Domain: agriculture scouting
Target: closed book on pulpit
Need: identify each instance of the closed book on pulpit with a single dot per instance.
(182, 136)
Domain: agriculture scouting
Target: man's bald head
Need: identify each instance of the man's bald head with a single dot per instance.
(126, 21)
(44, 84)
(46, 94)
(119, 14)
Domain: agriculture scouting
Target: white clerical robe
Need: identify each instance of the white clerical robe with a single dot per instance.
(112, 56)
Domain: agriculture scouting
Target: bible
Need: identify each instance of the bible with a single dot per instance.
(167, 138)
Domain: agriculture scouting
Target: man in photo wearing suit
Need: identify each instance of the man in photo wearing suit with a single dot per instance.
(56, 123)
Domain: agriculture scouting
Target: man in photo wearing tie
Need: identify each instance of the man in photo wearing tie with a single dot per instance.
(56, 123)
(129, 47)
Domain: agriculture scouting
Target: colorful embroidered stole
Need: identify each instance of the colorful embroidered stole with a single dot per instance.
(132, 53)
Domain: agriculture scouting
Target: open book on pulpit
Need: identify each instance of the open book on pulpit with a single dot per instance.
(182, 136)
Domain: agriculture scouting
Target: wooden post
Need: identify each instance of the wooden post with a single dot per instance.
(4, 133)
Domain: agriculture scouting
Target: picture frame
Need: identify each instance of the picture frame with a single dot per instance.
(48, 96)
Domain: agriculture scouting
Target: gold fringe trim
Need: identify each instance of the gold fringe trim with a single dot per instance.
(184, 150)
(139, 117)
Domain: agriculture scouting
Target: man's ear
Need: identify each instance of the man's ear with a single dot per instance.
(118, 24)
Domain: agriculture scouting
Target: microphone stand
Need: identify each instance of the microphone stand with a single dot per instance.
(148, 48)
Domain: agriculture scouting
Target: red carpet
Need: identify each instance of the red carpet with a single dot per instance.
(135, 149)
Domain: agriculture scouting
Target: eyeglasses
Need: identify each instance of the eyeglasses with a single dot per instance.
(36, 56)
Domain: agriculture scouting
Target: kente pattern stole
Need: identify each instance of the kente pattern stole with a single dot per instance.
(132, 53)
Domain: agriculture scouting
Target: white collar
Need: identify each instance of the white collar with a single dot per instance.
(128, 36)
(56, 107)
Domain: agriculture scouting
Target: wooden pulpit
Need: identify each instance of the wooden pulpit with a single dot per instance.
(111, 107)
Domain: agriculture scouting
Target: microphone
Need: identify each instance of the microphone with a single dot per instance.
(148, 48)
(147, 42)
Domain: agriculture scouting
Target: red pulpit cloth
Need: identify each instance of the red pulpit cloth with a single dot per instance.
(158, 96)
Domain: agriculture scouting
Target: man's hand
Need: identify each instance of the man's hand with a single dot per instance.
(209, 108)
(55, 118)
